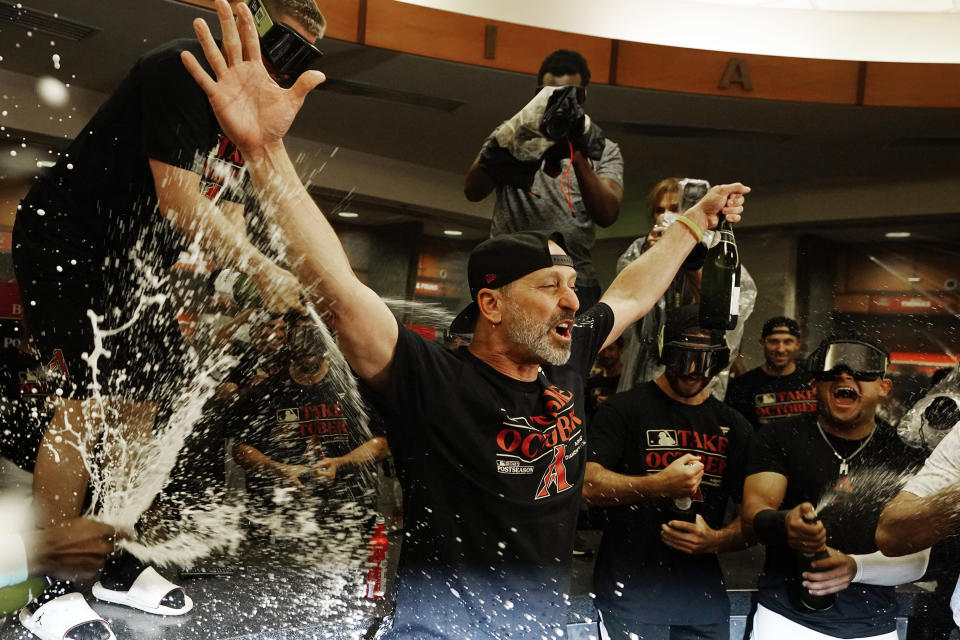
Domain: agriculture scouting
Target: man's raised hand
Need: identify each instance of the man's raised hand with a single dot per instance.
(253, 110)
(727, 199)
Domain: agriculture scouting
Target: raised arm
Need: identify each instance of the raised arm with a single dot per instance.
(638, 287)
(224, 240)
(256, 113)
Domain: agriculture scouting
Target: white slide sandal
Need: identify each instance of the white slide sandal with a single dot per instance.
(54, 620)
(145, 594)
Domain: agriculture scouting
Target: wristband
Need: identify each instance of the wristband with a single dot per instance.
(771, 526)
(693, 226)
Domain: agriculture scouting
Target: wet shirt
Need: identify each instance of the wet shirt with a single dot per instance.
(765, 399)
(545, 206)
(296, 424)
(100, 197)
(491, 469)
(638, 433)
(849, 507)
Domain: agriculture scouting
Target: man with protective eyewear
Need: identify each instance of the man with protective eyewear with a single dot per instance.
(664, 459)
(151, 172)
(849, 463)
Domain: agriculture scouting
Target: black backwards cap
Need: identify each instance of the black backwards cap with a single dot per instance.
(500, 260)
(776, 325)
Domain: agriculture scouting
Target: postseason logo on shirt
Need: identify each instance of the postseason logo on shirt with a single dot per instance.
(526, 445)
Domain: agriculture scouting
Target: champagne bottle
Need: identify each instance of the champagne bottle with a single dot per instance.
(720, 283)
(804, 560)
(683, 510)
(237, 288)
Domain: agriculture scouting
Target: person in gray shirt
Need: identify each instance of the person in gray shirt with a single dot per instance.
(569, 195)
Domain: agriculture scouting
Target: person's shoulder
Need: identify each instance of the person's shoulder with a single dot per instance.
(787, 430)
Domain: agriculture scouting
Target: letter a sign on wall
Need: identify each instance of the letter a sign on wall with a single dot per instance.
(737, 73)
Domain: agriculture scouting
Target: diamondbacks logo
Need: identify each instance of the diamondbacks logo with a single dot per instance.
(527, 445)
(58, 364)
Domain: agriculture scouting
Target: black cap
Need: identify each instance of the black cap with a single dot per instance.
(501, 260)
(780, 324)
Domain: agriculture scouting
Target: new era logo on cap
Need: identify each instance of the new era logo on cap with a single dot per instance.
(490, 277)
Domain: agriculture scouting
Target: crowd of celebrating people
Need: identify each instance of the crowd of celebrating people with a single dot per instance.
(497, 440)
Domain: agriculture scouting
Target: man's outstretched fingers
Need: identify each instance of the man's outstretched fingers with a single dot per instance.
(231, 39)
(307, 82)
(199, 74)
(248, 33)
(210, 49)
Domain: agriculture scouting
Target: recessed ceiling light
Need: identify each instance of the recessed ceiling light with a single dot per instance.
(452, 232)
(913, 279)
(898, 234)
(41, 164)
(348, 214)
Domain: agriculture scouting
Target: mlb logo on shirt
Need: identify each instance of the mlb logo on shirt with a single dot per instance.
(767, 398)
(288, 415)
(662, 438)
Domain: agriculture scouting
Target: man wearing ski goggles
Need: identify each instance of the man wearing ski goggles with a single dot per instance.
(286, 50)
(862, 360)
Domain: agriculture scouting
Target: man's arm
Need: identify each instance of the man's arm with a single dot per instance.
(605, 488)
(370, 451)
(698, 538)
(763, 494)
(221, 236)
(601, 196)
(910, 523)
(255, 461)
(478, 184)
(638, 287)
(255, 113)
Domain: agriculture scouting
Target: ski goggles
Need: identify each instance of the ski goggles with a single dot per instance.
(692, 358)
(861, 360)
(288, 53)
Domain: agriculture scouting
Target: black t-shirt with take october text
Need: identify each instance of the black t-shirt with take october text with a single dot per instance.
(491, 469)
(849, 507)
(100, 197)
(640, 432)
(764, 399)
(300, 425)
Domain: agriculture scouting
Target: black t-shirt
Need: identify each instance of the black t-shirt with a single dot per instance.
(100, 197)
(849, 507)
(640, 432)
(25, 410)
(491, 469)
(296, 424)
(765, 399)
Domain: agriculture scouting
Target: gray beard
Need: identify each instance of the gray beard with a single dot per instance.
(535, 336)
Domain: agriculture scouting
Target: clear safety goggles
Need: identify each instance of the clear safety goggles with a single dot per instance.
(861, 360)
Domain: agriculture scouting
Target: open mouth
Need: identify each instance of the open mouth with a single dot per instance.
(563, 330)
(846, 394)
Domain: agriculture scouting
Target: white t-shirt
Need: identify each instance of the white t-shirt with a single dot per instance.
(941, 470)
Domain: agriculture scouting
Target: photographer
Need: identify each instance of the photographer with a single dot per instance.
(547, 179)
